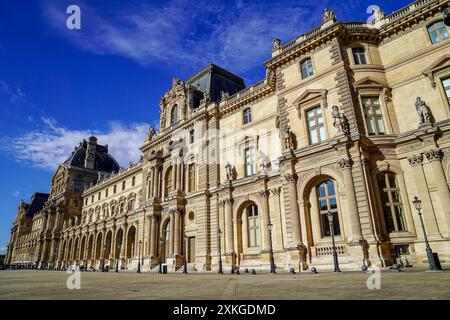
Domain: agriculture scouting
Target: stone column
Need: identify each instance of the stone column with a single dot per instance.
(422, 189)
(229, 226)
(172, 231)
(153, 235)
(176, 245)
(291, 179)
(353, 217)
(265, 219)
(435, 157)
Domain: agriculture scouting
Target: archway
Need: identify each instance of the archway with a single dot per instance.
(90, 247)
(107, 252)
(76, 250)
(248, 220)
(119, 243)
(165, 240)
(98, 249)
(83, 245)
(131, 245)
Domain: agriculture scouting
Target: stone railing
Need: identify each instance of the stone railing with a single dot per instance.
(328, 250)
(413, 6)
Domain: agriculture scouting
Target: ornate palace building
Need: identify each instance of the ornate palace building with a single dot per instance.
(350, 122)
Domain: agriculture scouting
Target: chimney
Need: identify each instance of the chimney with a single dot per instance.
(90, 153)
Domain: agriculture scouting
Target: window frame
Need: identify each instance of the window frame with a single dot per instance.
(174, 115)
(324, 224)
(446, 88)
(247, 118)
(302, 63)
(317, 125)
(253, 226)
(374, 116)
(437, 31)
(390, 205)
(248, 165)
(357, 55)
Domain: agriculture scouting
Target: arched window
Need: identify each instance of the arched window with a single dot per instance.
(167, 240)
(168, 182)
(174, 115)
(391, 202)
(307, 68)
(254, 237)
(247, 115)
(326, 197)
(438, 32)
(359, 55)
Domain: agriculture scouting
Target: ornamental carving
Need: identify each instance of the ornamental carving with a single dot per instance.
(264, 193)
(346, 163)
(415, 159)
(434, 155)
(290, 177)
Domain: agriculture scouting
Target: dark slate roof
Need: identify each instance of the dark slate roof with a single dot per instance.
(103, 160)
(214, 79)
(36, 204)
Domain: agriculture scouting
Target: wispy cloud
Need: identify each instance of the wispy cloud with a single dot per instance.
(51, 144)
(186, 33)
(12, 94)
(16, 194)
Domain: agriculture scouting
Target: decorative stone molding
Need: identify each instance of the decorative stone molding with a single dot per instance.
(346, 163)
(264, 194)
(415, 159)
(290, 177)
(434, 155)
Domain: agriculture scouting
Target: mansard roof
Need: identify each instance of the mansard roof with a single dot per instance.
(215, 79)
(103, 160)
(36, 204)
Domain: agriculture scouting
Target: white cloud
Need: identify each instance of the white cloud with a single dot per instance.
(189, 34)
(51, 144)
(16, 194)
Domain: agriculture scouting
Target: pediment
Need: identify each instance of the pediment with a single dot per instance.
(310, 95)
(368, 82)
(440, 64)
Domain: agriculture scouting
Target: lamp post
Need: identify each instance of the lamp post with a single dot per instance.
(335, 256)
(185, 256)
(139, 256)
(119, 244)
(219, 232)
(272, 262)
(432, 264)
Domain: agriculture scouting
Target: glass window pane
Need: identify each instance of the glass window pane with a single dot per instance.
(333, 203)
(322, 190)
(400, 218)
(322, 133)
(446, 82)
(331, 191)
(380, 126)
(323, 205)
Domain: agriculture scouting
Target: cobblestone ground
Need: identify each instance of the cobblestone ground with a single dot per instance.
(410, 284)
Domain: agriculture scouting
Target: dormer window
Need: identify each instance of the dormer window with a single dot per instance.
(174, 115)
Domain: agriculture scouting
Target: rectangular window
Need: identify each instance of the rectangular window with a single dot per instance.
(191, 136)
(133, 181)
(115, 189)
(247, 115)
(307, 68)
(316, 126)
(106, 193)
(359, 55)
(249, 161)
(99, 196)
(191, 177)
(446, 84)
(123, 185)
(373, 115)
(438, 32)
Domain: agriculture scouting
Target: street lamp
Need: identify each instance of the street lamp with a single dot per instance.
(139, 256)
(432, 264)
(335, 256)
(219, 232)
(272, 262)
(185, 255)
(119, 244)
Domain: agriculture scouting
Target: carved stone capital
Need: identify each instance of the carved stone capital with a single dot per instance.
(228, 202)
(434, 155)
(290, 177)
(346, 163)
(365, 162)
(275, 191)
(415, 159)
(264, 193)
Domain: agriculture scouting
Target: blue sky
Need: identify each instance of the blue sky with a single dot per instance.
(57, 86)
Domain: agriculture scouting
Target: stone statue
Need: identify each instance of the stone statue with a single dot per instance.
(424, 112)
(328, 15)
(224, 95)
(230, 170)
(264, 163)
(151, 133)
(340, 121)
(277, 44)
(206, 97)
(289, 139)
(378, 15)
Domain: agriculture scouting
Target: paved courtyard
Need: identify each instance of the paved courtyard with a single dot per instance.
(409, 284)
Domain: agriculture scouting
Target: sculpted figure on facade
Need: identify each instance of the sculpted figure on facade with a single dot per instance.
(290, 141)
(424, 112)
(151, 133)
(328, 14)
(340, 121)
(378, 15)
(230, 171)
(277, 44)
(264, 163)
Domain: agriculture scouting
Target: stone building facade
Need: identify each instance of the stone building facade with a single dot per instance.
(350, 121)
